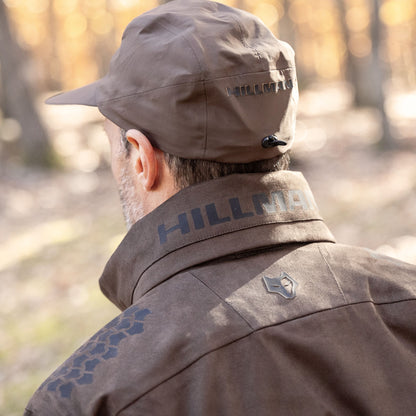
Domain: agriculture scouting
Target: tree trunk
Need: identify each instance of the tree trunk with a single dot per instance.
(379, 76)
(366, 73)
(286, 27)
(17, 99)
(54, 67)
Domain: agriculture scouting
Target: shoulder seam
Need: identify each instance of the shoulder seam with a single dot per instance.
(223, 300)
(332, 272)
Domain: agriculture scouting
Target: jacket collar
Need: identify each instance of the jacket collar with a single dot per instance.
(218, 218)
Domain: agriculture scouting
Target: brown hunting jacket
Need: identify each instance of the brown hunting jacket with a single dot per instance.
(237, 301)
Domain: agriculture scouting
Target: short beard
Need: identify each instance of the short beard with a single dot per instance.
(132, 208)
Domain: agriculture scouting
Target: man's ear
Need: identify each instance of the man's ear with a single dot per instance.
(146, 164)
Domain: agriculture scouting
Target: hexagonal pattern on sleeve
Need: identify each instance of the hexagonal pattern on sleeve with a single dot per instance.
(103, 346)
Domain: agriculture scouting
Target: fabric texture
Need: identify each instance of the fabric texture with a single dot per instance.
(236, 300)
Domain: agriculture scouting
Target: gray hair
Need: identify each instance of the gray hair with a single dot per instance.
(187, 172)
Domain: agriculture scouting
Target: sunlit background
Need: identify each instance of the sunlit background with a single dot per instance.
(71, 41)
(59, 213)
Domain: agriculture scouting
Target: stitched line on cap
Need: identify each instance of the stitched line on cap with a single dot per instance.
(204, 81)
(243, 40)
(206, 120)
(187, 41)
(201, 80)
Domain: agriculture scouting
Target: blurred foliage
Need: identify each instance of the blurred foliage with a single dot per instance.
(70, 41)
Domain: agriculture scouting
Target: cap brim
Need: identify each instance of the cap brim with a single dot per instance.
(86, 95)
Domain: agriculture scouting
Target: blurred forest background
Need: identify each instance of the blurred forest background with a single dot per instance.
(59, 213)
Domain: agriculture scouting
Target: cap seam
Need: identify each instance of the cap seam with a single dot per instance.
(206, 120)
(203, 81)
(168, 29)
(201, 72)
(243, 41)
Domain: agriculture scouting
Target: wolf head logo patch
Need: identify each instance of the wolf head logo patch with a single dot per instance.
(283, 285)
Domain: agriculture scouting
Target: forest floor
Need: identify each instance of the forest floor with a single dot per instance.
(58, 228)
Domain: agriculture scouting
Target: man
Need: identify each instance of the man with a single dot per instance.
(235, 298)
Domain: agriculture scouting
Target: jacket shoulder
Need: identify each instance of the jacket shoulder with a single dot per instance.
(365, 274)
(167, 330)
(72, 388)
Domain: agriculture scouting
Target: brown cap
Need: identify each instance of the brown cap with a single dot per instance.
(203, 81)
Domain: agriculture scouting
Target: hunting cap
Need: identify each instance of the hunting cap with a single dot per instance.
(203, 81)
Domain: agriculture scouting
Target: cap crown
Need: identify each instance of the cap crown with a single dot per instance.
(203, 81)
